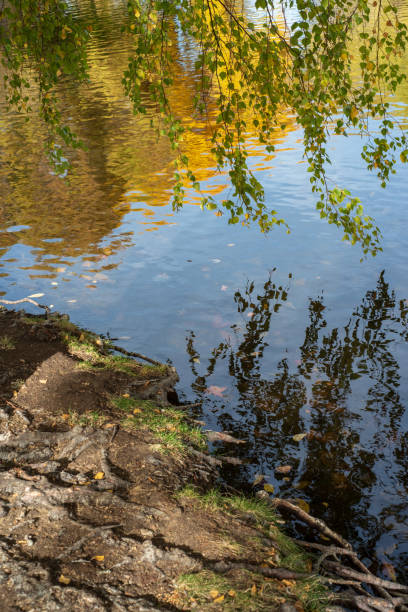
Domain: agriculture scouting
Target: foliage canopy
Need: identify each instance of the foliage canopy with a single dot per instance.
(328, 64)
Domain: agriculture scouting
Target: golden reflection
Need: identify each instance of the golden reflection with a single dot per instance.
(126, 169)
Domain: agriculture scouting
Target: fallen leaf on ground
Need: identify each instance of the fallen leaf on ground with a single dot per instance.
(253, 590)
(98, 558)
(231, 593)
(219, 599)
(64, 579)
(99, 475)
(214, 390)
(43, 381)
(214, 594)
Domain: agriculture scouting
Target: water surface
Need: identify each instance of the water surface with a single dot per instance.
(277, 335)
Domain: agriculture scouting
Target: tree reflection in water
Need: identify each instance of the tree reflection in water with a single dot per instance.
(347, 392)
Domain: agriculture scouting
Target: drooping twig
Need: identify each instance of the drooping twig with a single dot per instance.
(26, 299)
(283, 504)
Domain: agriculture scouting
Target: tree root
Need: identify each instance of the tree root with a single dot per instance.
(282, 504)
(391, 596)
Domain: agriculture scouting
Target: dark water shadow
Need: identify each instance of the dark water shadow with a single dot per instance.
(347, 393)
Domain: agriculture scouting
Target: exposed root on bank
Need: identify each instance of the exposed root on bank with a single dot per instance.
(390, 596)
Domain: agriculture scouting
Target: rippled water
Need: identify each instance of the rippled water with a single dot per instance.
(276, 335)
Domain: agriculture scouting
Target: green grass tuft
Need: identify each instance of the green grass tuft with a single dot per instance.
(6, 343)
(167, 424)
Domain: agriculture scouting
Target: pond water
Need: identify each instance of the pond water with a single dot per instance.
(276, 335)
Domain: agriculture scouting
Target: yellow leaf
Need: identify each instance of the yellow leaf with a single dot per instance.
(137, 411)
(269, 488)
(370, 66)
(302, 504)
(232, 593)
(64, 579)
(404, 157)
(98, 558)
(219, 599)
(99, 475)
(214, 594)
(298, 437)
(344, 56)
(253, 590)
(218, 213)
(125, 395)
(354, 113)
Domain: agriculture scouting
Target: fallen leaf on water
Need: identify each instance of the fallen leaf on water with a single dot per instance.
(99, 475)
(196, 360)
(214, 390)
(269, 488)
(298, 437)
(36, 295)
(224, 287)
(250, 314)
(64, 579)
(302, 484)
(213, 436)
(302, 504)
(258, 479)
(390, 571)
(283, 469)
(98, 558)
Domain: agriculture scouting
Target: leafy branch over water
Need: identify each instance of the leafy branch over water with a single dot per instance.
(328, 65)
